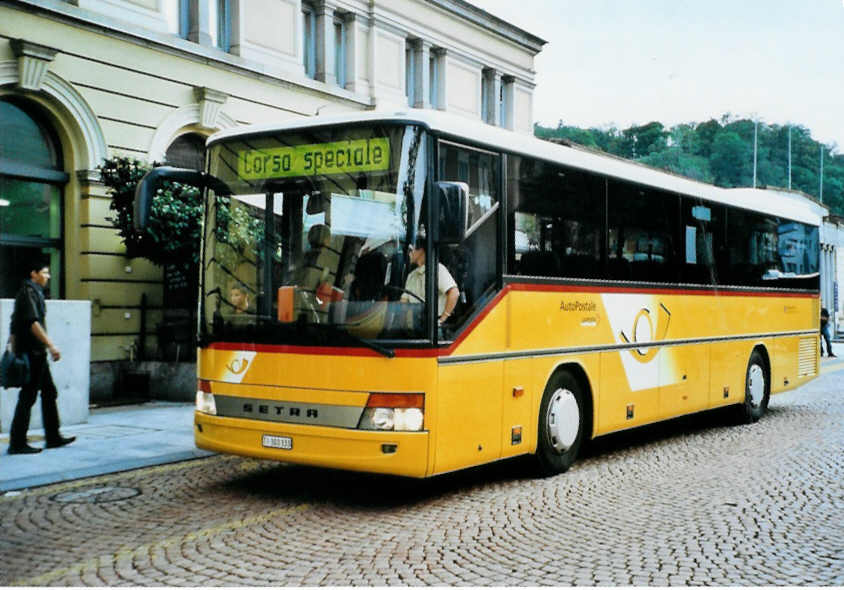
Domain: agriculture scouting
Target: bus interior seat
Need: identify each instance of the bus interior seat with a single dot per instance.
(370, 273)
(321, 263)
(538, 263)
(349, 257)
(581, 266)
(697, 274)
(619, 269)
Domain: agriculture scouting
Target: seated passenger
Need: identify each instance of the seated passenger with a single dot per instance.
(239, 298)
(447, 291)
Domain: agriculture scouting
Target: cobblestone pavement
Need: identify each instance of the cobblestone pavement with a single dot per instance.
(694, 502)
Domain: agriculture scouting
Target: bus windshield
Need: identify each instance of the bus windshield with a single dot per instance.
(311, 246)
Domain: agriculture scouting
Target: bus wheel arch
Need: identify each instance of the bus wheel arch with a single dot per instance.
(565, 419)
(757, 386)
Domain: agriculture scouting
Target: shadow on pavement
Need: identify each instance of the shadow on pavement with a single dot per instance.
(287, 482)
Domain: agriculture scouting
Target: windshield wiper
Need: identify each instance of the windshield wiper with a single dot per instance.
(382, 350)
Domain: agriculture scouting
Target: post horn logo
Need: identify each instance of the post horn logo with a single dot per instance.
(646, 330)
(237, 366)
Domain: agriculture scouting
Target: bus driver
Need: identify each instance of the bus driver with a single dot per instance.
(447, 291)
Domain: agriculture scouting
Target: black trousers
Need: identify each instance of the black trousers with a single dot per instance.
(40, 380)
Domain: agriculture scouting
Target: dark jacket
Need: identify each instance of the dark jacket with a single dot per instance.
(30, 307)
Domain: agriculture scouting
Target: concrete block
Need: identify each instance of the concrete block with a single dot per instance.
(69, 326)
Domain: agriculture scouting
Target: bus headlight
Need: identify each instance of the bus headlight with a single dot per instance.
(205, 403)
(394, 412)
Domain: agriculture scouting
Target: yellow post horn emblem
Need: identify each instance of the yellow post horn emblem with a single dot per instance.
(644, 331)
(237, 366)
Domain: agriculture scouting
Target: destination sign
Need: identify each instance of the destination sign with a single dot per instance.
(338, 157)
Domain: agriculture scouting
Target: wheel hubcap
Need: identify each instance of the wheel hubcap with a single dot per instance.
(756, 384)
(563, 420)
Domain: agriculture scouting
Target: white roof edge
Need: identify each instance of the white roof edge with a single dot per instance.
(791, 205)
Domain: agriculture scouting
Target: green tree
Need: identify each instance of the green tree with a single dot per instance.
(721, 151)
(641, 140)
(173, 234)
(677, 161)
(704, 135)
(729, 158)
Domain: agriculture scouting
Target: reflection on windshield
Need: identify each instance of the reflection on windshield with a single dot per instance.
(318, 258)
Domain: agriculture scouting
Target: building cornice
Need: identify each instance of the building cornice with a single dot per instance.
(481, 17)
(64, 12)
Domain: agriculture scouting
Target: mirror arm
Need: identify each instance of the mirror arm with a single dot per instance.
(151, 181)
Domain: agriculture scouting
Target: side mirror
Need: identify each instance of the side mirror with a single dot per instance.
(151, 182)
(454, 211)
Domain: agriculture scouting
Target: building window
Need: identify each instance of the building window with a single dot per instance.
(506, 102)
(187, 151)
(309, 37)
(434, 79)
(410, 72)
(32, 183)
(340, 52)
(178, 17)
(490, 97)
(220, 24)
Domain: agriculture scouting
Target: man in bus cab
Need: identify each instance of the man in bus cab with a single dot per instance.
(447, 291)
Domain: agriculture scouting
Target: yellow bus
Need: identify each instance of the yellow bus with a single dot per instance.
(594, 294)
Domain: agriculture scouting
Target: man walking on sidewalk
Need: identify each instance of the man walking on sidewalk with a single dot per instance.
(29, 333)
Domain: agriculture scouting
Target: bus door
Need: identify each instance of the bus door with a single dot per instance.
(469, 409)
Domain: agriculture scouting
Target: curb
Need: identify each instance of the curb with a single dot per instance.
(115, 467)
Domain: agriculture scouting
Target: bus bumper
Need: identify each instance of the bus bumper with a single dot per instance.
(396, 453)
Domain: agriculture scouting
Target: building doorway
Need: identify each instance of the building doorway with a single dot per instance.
(32, 181)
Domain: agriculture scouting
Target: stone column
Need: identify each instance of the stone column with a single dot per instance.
(422, 78)
(442, 83)
(325, 43)
(492, 81)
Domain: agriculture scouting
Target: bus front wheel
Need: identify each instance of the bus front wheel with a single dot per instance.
(757, 389)
(561, 424)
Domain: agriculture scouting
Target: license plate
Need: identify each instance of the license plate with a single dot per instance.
(277, 442)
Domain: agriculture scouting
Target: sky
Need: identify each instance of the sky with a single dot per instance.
(626, 62)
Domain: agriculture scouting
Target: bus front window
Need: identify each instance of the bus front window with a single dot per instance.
(311, 246)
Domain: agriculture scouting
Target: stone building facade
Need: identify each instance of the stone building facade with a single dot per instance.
(84, 80)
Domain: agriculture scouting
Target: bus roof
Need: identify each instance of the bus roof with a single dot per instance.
(774, 201)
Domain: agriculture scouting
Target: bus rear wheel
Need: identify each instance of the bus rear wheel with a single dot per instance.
(757, 390)
(561, 424)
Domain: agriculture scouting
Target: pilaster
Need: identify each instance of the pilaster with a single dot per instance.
(325, 66)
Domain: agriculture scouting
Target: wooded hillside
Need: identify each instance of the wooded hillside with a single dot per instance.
(721, 152)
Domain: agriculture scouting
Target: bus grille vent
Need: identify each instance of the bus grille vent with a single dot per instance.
(807, 358)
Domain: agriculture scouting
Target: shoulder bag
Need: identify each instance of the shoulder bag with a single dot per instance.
(14, 368)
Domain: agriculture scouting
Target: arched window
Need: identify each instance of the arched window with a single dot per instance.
(187, 151)
(31, 187)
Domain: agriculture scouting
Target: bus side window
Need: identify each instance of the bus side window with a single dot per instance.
(700, 218)
(556, 214)
(642, 224)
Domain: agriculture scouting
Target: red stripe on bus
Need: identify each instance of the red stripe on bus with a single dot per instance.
(319, 350)
(655, 291)
(525, 287)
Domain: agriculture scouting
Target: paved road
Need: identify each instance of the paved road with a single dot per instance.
(696, 501)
